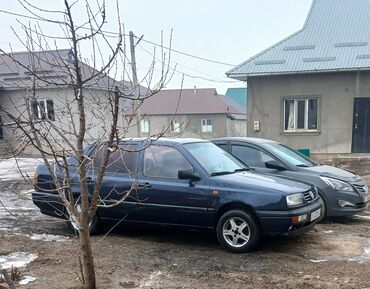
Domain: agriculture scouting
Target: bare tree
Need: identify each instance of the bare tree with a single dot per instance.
(88, 105)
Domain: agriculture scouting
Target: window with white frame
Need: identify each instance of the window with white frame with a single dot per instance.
(206, 125)
(175, 125)
(144, 125)
(43, 109)
(301, 114)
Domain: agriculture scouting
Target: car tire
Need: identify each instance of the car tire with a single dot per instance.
(93, 226)
(323, 211)
(238, 231)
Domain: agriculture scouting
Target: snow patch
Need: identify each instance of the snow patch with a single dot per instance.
(18, 168)
(49, 238)
(17, 259)
(328, 232)
(360, 217)
(318, 260)
(26, 279)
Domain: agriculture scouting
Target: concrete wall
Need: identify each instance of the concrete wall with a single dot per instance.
(98, 118)
(192, 126)
(336, 92)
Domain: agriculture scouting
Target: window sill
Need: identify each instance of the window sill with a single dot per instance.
(316, 132)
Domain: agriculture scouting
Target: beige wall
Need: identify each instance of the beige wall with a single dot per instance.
(336, 92)
(192, 126)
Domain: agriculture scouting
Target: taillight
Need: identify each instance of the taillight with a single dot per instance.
(35, 178)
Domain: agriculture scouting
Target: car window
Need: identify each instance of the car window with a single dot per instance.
(214, 159)
(122, 160)
(164, 162)
(222, 145)
(289, 155)
(251, 156)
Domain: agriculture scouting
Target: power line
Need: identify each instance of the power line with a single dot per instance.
(116, 33)
(185, 53)
(189, 75)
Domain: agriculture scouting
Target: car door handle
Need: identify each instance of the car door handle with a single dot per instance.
(145, 185)
(89, 180)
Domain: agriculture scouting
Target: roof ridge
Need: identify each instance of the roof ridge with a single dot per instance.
(35, 51)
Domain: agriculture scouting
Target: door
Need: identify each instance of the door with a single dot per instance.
(164, 198)
(361, 125)
(116, 188)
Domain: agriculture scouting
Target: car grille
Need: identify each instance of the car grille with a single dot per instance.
(309, 195)
(361, 188)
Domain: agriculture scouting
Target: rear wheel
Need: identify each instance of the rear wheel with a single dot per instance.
(73, 223)
(238, 231)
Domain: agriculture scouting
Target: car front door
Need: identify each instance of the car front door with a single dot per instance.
(164, 198)
(254, 156)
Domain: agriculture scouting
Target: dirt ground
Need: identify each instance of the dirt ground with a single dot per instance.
(335, 254)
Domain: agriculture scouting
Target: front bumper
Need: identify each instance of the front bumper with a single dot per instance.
(332, 198)
(280, 222)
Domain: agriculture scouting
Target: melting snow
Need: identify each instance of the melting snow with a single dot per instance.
(49, 238)
(318, 260)
(17, 259)
(14, 169)
(359, 217)
(328, 232)
(26, 279)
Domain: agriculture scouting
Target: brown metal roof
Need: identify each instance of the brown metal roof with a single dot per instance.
(190, 101)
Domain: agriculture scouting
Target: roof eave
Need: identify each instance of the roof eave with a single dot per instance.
(244, 76)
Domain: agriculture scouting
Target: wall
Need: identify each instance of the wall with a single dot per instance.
(191, 126)
(98, 119)
(336, 92)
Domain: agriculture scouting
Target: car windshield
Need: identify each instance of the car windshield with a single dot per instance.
(289, 155)
(215, 160)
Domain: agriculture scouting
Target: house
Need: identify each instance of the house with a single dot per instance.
(53, 98)
(312, 89)
(198, 112)
(238, 94)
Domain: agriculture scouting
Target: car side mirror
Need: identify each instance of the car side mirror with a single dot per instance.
(274, 165)
(188, 175)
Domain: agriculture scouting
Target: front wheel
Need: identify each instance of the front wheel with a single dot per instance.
(238, 231)
(323, 211)
(73, 223)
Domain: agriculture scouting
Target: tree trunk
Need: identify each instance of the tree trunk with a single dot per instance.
(86, 258)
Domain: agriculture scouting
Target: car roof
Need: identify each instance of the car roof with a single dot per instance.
(165, 140)
(253, 140)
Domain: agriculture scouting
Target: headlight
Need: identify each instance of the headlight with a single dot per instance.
(294, 200)
(337, 184)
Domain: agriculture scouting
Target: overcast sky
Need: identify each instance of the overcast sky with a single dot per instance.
(224, 31)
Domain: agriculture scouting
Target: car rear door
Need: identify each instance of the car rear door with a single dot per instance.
(164, 198)
(119, 177)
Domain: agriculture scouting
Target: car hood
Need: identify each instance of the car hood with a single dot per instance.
(329, 171)
(258, 182)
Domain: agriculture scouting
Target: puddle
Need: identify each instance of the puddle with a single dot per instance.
(17, 259)
(26, 279)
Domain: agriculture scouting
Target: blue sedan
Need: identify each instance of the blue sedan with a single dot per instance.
(189, 183)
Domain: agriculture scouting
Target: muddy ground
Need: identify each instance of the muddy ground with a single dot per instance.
(335, 254)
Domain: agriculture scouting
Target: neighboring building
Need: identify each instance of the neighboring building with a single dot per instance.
(238, 94)
(312, 89)
(191, 113)
(53, 97)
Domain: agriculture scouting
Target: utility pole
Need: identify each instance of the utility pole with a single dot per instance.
(136, 106)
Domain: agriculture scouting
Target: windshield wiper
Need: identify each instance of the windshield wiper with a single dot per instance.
(302, 166)
(241, 170)
(221, 173)
(229, 172)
